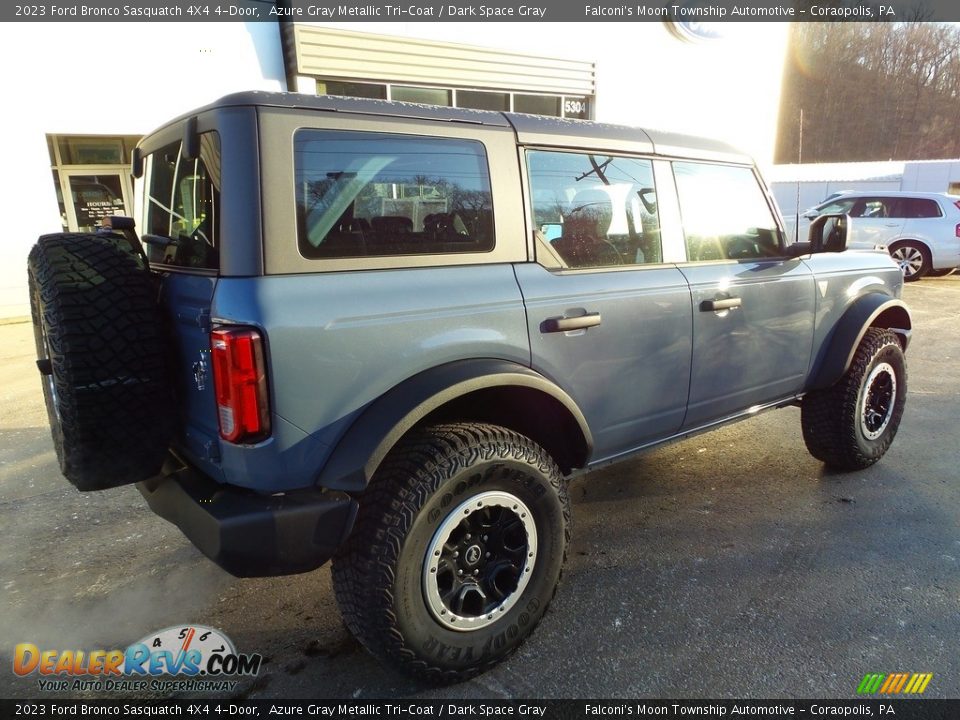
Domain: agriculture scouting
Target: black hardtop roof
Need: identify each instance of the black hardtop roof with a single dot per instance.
(530, 129)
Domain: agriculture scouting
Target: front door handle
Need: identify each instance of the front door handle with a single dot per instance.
(566, 324)
(718, 305)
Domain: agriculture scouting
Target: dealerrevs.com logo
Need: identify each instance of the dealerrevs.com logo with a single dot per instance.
(204, 656)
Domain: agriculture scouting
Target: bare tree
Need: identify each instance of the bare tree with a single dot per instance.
(871, 91)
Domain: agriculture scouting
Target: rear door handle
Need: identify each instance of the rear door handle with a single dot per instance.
(565, 324)
(717, 305)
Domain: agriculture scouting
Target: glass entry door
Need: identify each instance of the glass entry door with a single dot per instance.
(93, 193)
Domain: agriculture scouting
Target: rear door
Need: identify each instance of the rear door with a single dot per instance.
(609, 318)
(880, 221)
(753, 308)
(181, 232)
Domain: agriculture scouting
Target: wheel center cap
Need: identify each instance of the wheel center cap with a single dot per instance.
(472, 555)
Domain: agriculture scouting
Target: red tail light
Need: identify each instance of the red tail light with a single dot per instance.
(956, 230)
(240, 384)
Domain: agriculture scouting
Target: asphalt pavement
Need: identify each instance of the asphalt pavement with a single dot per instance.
(728, 565)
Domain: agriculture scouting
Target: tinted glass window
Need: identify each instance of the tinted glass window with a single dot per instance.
(837, 207)
(483, 100)
(183, 205)
(725, 213)
(365, 194)
(878, 207)
(593, 210)
(427, 96)
(922, 208)
(352, 89)
(537, 104)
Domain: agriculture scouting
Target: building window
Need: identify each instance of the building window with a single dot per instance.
(537, 105)
(477, 100)
(352, 89)
(427, 96)
(567, 106)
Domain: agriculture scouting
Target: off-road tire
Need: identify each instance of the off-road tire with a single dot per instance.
(101, 352)
(835, 420)
(913, 258)
(380, 575)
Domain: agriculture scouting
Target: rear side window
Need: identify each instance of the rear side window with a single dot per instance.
(725, 213)
(593, 210)
(365, 194)
(922, 208)
(878, 207)
(183, 206)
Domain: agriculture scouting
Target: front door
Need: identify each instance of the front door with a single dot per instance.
(753, 308)
(609, 321)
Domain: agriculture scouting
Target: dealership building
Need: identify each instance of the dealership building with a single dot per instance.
(81, 95)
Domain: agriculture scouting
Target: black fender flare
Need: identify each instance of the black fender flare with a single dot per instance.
(871, 310)
(366, 443)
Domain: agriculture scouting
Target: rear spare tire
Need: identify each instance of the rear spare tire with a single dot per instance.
(101, 354)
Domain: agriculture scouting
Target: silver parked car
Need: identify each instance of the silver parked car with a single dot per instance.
(921, 230)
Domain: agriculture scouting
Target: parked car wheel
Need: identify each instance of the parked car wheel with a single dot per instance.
(850, 425)
(101, 354)
(457, 550)
(941, 273)
(913, 258)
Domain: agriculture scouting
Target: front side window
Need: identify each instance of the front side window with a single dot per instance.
(593, 210)
(183, 206)
(837, 207)
(876, 207)
(725, 213)
(372, 194)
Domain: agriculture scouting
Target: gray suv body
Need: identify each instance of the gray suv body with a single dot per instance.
(392, 332)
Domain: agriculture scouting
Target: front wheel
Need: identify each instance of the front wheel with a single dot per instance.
(913, 259)
(850, 425)
(457, 550)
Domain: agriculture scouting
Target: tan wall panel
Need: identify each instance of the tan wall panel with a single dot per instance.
(383, 58)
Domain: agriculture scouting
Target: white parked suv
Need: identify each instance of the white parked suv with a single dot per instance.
(921, 230)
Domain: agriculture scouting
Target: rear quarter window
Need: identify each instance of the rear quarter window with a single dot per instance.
(363, 194)
(922, 208)
(183, 206)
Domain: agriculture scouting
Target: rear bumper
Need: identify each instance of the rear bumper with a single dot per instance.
(251, 535)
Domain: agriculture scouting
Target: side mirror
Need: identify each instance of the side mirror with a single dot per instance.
(828, 233)
(136, 163)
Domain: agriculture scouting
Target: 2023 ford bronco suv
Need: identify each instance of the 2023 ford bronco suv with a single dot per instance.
(387, 334)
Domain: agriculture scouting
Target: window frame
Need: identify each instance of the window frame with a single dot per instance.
(281, 253)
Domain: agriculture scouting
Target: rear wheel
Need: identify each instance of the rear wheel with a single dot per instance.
(850, 425)
(457, 551)
(100, 353)
(913, 259)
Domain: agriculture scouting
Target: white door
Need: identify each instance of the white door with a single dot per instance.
(91, 193)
